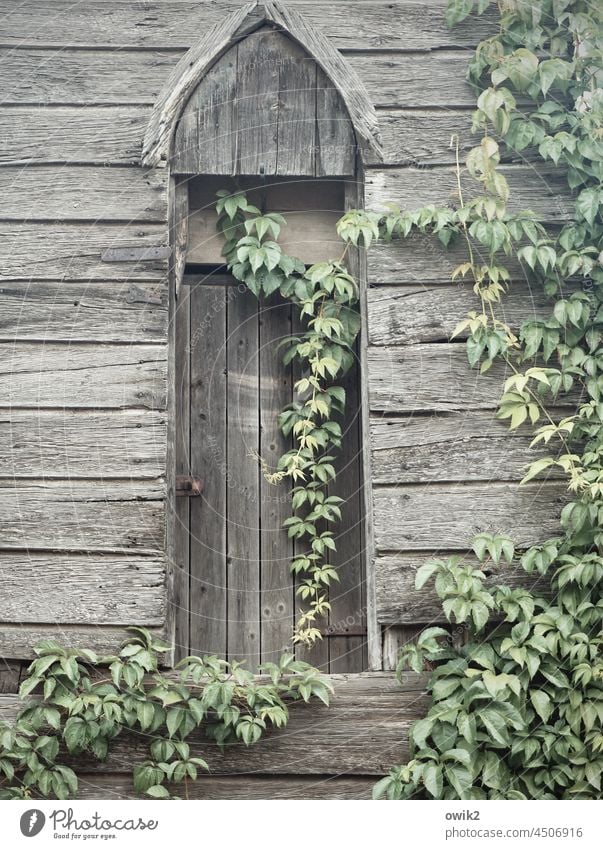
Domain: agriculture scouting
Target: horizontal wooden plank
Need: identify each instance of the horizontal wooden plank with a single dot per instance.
(18, 641)
(82, 516)
(422, 259)
(99, 135)
(415, 81)
(363, 732)
(112, 135)
(406, 315)
(81, 312)
(398, 603)
(422, 137)
(541, 190)
(460, 446)
(135, 254)
(311, 236)
(434, 377)
(403, 25)
(426, 137)
(55, 250)
(82, 444)
(77, 375)
(83, 193)
(430, 377)
(232, 787)
(447, 516)
(68, 77)
(81, 589)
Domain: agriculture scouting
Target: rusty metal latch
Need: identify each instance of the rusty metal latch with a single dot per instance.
(188, 486)
(136, 295)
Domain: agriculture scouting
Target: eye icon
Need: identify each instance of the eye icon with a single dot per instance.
(32, 822)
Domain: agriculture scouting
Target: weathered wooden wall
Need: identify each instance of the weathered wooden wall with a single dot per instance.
(85, 341)
(335, 752)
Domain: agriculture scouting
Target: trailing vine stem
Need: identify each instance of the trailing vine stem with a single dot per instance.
(489, 297)
(326, 296)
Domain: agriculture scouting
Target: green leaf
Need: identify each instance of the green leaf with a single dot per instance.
(542, 704)
(480, 614)
(433, 780)
(537, 467)
(425, 572)
(495, 725)
(467, 727)
(420, 731)
(174, 720)
(593, 774)
(28, 686)
(588, 203)
(457, 11)
(157, 791)
(460, 755)
(74, 734)
(146, 714)
(69, 777)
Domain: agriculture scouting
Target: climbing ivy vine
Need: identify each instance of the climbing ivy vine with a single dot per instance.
(77, 703)
(326, 295)
(517, 710)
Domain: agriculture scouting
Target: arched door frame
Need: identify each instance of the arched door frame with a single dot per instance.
(195, 64)
(156, 152)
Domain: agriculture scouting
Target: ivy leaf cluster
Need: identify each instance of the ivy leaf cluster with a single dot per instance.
(516, 714)
(77, 703)
(517, 710)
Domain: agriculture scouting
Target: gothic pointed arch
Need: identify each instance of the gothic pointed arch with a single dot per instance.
(217, 42)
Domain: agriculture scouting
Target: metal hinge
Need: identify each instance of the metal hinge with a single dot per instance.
(188, 485)
(136, 295)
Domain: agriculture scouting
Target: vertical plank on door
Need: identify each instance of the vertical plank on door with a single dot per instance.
(335, 139)
(347, 596)
(179, 429)
(208, 461)
(257, 97)
(296, 143)
(277, 604)
(181, 425)
(242, 492)
(277, 591)
(206, 135)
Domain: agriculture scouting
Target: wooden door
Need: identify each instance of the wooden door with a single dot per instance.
(237, 597)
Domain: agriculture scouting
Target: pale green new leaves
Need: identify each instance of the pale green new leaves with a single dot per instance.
(525, 700)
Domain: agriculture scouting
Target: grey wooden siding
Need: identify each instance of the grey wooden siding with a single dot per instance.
(84, 367)
(83, 376)
(335, 752)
